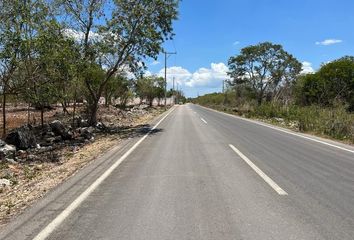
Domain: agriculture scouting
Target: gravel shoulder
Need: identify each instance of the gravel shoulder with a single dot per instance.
(30, 181)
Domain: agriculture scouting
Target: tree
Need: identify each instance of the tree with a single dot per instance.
(150, 88)
(177, 94)
(20, 21)
(334, 82)
(134, 31)
(309, 89)
(119, 87)
(10, 43)
(55, 68)
(61, 54)
(338, 76)
(266, 68)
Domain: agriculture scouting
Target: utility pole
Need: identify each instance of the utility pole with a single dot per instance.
(177, 94)
(173, 91)
(167, 54)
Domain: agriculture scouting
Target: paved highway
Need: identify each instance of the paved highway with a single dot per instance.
(200, 174)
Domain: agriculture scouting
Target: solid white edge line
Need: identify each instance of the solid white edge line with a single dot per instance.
(203, 120)
(267, 179)
(283, 130)
(76, 203)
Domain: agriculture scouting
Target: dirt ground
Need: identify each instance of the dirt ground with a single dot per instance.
(20, 114)
(31, 180)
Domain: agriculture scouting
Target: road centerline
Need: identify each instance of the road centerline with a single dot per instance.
(203, 120)
(264, 176)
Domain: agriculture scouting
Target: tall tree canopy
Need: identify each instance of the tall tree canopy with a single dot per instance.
(266, 68)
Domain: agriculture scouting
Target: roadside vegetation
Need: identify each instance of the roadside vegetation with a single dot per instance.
(266, 83)
(73, 84)
(69, 52)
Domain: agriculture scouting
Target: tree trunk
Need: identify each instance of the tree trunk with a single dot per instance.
(4, 112)
(65, 110)
(28, 114)
(260, 98)
(74, 110)
(106, 102)
(42, 116)
(93, 107)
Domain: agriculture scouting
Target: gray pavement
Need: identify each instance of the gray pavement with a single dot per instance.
(185, 182)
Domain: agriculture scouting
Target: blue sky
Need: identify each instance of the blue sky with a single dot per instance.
(208, 32)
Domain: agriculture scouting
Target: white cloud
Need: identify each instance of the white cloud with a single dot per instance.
(203, 77)
(209, 77)
(79, 36)
(148, 73)
(236, 43)
(178, 73)
(71, 33)
(328, 42)
(154, 63)
(307, 68)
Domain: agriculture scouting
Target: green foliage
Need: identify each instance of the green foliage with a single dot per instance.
(333, 122)
(137, 30)
(210, 99)
(119, 87)
(132, 31)
(59, 51)
(55, 64)
(22, 25)
(318, 103)
(19, 23)
(39, 59)
(177, 94)
(93, 73)
(333, 83)
(309, 90)
(265, 68)
(150, 88)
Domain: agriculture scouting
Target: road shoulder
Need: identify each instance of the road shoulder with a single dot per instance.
(307, 136)
(56, 199)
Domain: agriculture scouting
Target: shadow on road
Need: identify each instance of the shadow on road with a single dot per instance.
(136, 131)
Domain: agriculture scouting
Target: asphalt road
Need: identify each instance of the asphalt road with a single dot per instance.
(205, 175)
